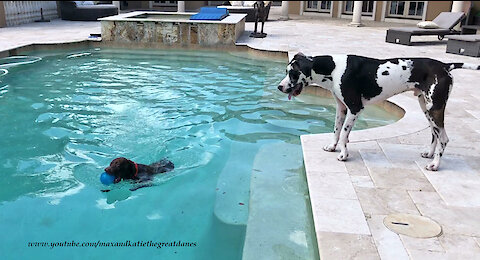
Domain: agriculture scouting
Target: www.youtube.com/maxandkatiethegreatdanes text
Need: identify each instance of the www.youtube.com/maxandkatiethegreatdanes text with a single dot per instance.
(100, 244)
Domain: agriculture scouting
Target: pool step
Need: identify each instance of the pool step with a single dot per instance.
(279, 224)
(233, 185)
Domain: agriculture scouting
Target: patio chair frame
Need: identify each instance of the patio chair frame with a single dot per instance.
(468, 45)
(403, 35)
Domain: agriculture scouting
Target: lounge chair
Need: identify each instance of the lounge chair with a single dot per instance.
(464, 45)
(445, 21)
(85, 10)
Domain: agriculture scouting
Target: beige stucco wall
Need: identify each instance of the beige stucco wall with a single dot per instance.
(194, 5)
(433, 8)
(476, 5)
(436, 7)
(294, 7)
(3, 21)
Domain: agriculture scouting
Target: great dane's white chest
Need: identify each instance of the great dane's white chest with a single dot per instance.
(340, 68)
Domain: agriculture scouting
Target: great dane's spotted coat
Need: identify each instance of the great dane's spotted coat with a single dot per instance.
(356, 81)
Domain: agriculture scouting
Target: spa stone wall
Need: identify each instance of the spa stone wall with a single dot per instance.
(172, 33)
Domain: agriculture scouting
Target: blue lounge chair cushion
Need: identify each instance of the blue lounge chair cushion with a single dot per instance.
(210, 13)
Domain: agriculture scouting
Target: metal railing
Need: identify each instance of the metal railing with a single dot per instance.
(19, 12)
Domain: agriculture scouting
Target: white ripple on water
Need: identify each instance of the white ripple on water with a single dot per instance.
(78, 55)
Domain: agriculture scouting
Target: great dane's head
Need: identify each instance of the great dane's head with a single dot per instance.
(299, 75)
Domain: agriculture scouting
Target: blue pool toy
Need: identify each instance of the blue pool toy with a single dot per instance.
(210, 13)
(106, 178)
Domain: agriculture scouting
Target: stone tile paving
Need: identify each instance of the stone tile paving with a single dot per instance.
(56, 31)
(384, 173)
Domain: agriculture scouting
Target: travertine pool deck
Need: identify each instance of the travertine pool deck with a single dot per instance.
(56, 31)
(385, 173)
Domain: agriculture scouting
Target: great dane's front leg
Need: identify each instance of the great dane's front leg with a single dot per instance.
(347, 127)
(339, 119)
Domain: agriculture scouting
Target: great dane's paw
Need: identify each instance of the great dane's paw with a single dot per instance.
(426, 155)
(342, 156)
(330, 148)
(432, 166)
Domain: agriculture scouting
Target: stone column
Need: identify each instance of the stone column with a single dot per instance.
(357, 14)
(3, 19)
(117, 4)
(284, 15)
(181, 6)
(457, 6)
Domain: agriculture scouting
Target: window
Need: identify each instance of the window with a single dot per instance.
(406, 9)
(164, 3)
(367, 7)
(319, 6)
(415, 9)
(276, 3)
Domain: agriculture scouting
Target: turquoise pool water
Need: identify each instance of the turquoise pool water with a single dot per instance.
(238, 188)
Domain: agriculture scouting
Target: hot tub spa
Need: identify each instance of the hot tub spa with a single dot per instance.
(172, 29)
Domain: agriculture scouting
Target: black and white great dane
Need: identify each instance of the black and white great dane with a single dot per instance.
(356, 81)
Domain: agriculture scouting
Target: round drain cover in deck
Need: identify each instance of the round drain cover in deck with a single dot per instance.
(412, 225)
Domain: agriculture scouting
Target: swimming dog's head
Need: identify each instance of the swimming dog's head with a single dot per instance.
(121, 168)
(299, 75)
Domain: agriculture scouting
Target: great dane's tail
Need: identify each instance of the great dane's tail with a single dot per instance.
(452, 66)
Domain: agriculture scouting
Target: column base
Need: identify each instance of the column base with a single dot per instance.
(258, 35)
(356, 24)
(283, 18)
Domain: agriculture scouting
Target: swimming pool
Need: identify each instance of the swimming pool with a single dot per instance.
(238, 188)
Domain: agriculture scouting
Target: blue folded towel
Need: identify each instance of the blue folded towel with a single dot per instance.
(210, 13)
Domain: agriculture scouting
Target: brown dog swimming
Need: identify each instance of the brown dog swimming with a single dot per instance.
(124, 169)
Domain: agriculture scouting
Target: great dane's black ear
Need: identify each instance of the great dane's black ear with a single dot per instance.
(303, 64)
(298, 55)
(323, 65)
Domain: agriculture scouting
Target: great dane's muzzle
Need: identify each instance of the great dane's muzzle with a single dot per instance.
(292, 91)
